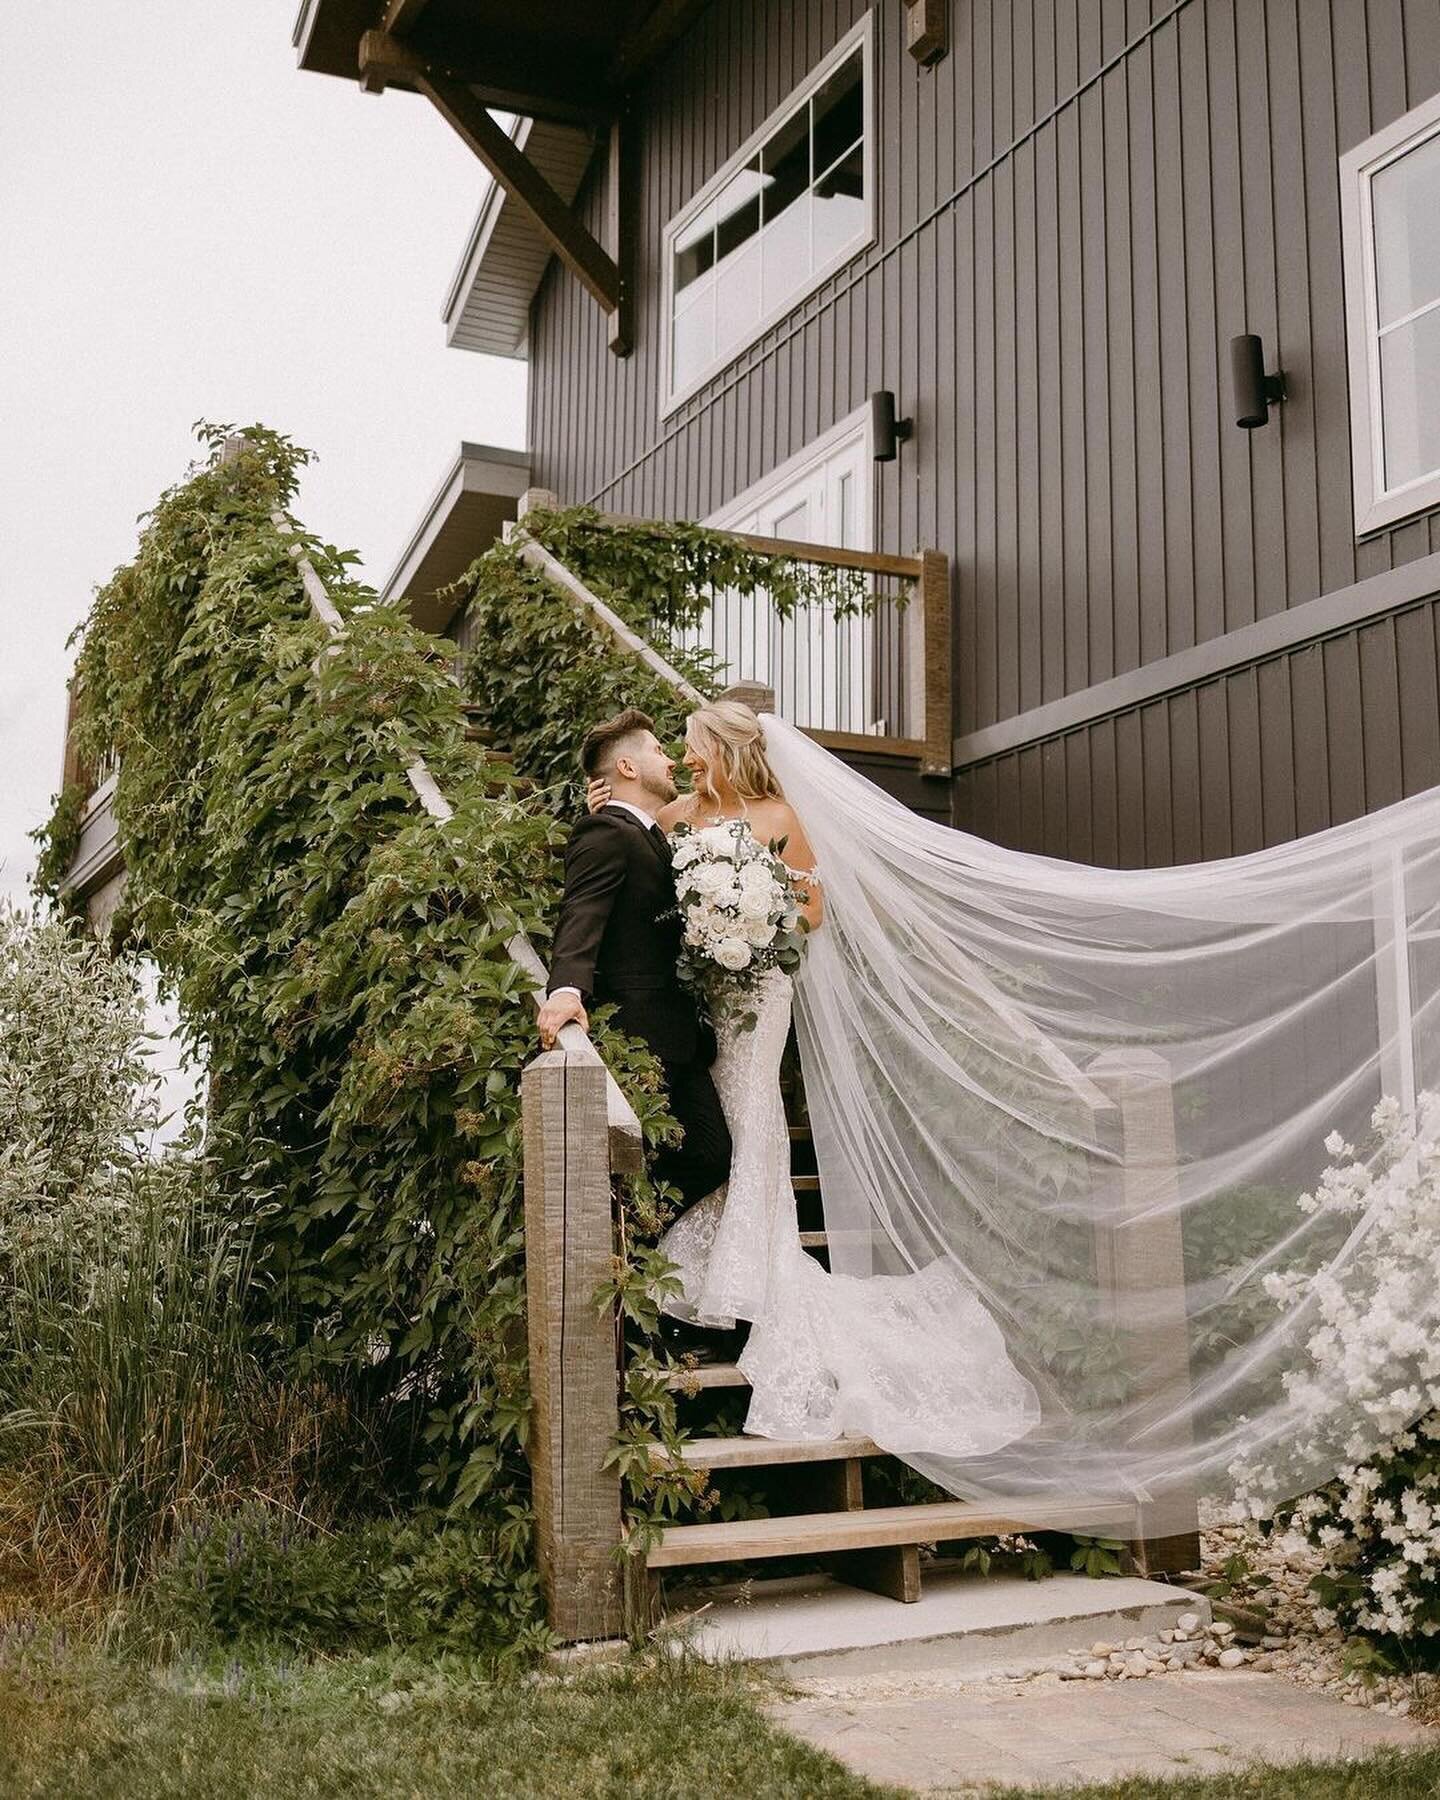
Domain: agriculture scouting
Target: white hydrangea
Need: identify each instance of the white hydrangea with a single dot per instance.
(1367, 1393)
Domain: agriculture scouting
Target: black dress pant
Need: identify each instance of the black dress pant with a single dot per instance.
(700, 1162)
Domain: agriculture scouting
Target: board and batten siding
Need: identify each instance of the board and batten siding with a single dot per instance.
(1078, 208)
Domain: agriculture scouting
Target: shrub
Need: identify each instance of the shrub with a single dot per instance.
(259, 1575)
(134, 1385)
(1374, 1335)
(77, 1104)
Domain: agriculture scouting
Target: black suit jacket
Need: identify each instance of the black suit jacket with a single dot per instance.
(612, 942)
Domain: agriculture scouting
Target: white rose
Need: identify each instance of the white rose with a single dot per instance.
(709, 880)
(758, 932)
(730, 953)
(685, 853)
(719, 840)
(755, 905)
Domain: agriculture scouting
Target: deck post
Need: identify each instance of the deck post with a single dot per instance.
(757, 695)
(1139, 1258)
(938, 705)
(569, 1245)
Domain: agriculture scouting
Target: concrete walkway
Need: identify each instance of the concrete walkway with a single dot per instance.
(959, 1739)
(962, 1620)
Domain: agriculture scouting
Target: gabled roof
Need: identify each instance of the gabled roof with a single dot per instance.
(564, 69)
(466, 514)
(572, 60)
(488, 306)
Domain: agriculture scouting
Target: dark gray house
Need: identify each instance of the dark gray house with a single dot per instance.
(720, 230)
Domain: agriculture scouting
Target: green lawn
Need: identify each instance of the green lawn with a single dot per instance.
(1390, 1776)
(376, 1727)
(75, 1724)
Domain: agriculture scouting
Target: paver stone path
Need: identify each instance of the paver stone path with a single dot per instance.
(952, 1738)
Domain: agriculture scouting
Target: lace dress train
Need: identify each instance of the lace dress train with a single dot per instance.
(914, 1361)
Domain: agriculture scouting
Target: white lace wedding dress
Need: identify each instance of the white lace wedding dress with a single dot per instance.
(913, 1361)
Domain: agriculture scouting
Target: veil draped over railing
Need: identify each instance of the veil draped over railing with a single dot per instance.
(1100, 1095)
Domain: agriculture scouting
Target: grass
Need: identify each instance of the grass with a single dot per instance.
(1389, 1775)
(75, 1723)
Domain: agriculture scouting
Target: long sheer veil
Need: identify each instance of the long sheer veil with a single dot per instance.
(1101, 1096)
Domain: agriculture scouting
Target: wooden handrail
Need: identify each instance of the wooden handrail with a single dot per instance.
(874, 562)
(606, 617)
(626, 1138)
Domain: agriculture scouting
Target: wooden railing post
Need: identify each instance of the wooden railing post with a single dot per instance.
(568, 1249)
(1140, 1264)
(757, 695)
(939, 713)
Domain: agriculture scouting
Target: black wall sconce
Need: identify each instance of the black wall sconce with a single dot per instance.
(1255, 391)
(927, 30)
(886, 431)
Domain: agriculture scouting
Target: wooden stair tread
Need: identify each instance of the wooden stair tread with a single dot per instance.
(815, 1533)
(763, 1453)
(706, 1375)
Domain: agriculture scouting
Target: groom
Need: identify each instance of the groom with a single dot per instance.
(616, 941)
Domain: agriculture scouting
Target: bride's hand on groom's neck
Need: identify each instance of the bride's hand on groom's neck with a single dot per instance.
(597, 794)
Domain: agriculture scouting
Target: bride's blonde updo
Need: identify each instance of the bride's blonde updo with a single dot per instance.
(729, 736)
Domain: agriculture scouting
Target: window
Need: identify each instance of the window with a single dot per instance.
(1390, 194)
(786, 211)
(827, 673)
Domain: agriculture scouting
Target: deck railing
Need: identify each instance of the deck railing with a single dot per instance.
(879, 681)
(876, 682)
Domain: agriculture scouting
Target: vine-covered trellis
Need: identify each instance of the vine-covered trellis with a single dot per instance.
(339, 959)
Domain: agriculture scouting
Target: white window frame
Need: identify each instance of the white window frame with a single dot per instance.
(1375, 505)
(854, 433)
(863, 35)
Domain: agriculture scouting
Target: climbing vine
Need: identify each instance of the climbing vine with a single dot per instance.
(339, 959)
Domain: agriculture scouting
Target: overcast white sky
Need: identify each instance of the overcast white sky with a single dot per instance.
(192, 228)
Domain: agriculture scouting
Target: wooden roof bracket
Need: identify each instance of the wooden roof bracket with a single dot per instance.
(384, 59)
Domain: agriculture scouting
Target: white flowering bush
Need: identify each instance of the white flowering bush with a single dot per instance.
(740, 911)
(1366, 1398)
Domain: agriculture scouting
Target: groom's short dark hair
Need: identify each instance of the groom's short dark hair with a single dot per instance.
(603, 741)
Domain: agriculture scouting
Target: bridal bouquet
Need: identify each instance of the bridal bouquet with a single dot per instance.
(740, 911)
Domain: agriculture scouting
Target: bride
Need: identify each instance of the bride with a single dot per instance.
(912, 1360)
(1116, 1161)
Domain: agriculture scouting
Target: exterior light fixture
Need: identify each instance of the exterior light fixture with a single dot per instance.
(886, 431)
(1255, 391)
(927, 30)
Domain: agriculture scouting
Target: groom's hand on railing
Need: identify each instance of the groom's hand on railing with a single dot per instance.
(559, 1009)
(597, 794)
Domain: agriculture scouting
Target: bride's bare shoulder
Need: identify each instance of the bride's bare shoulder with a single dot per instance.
(774, 818)
(673, 812)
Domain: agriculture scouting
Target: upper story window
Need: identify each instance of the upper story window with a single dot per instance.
(1390, 195)
(789, 208)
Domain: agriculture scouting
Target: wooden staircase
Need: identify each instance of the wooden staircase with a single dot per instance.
(596, 1585)
(820, 1485)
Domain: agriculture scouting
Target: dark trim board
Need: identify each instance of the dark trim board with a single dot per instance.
(1307, 623)
(899, 777)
